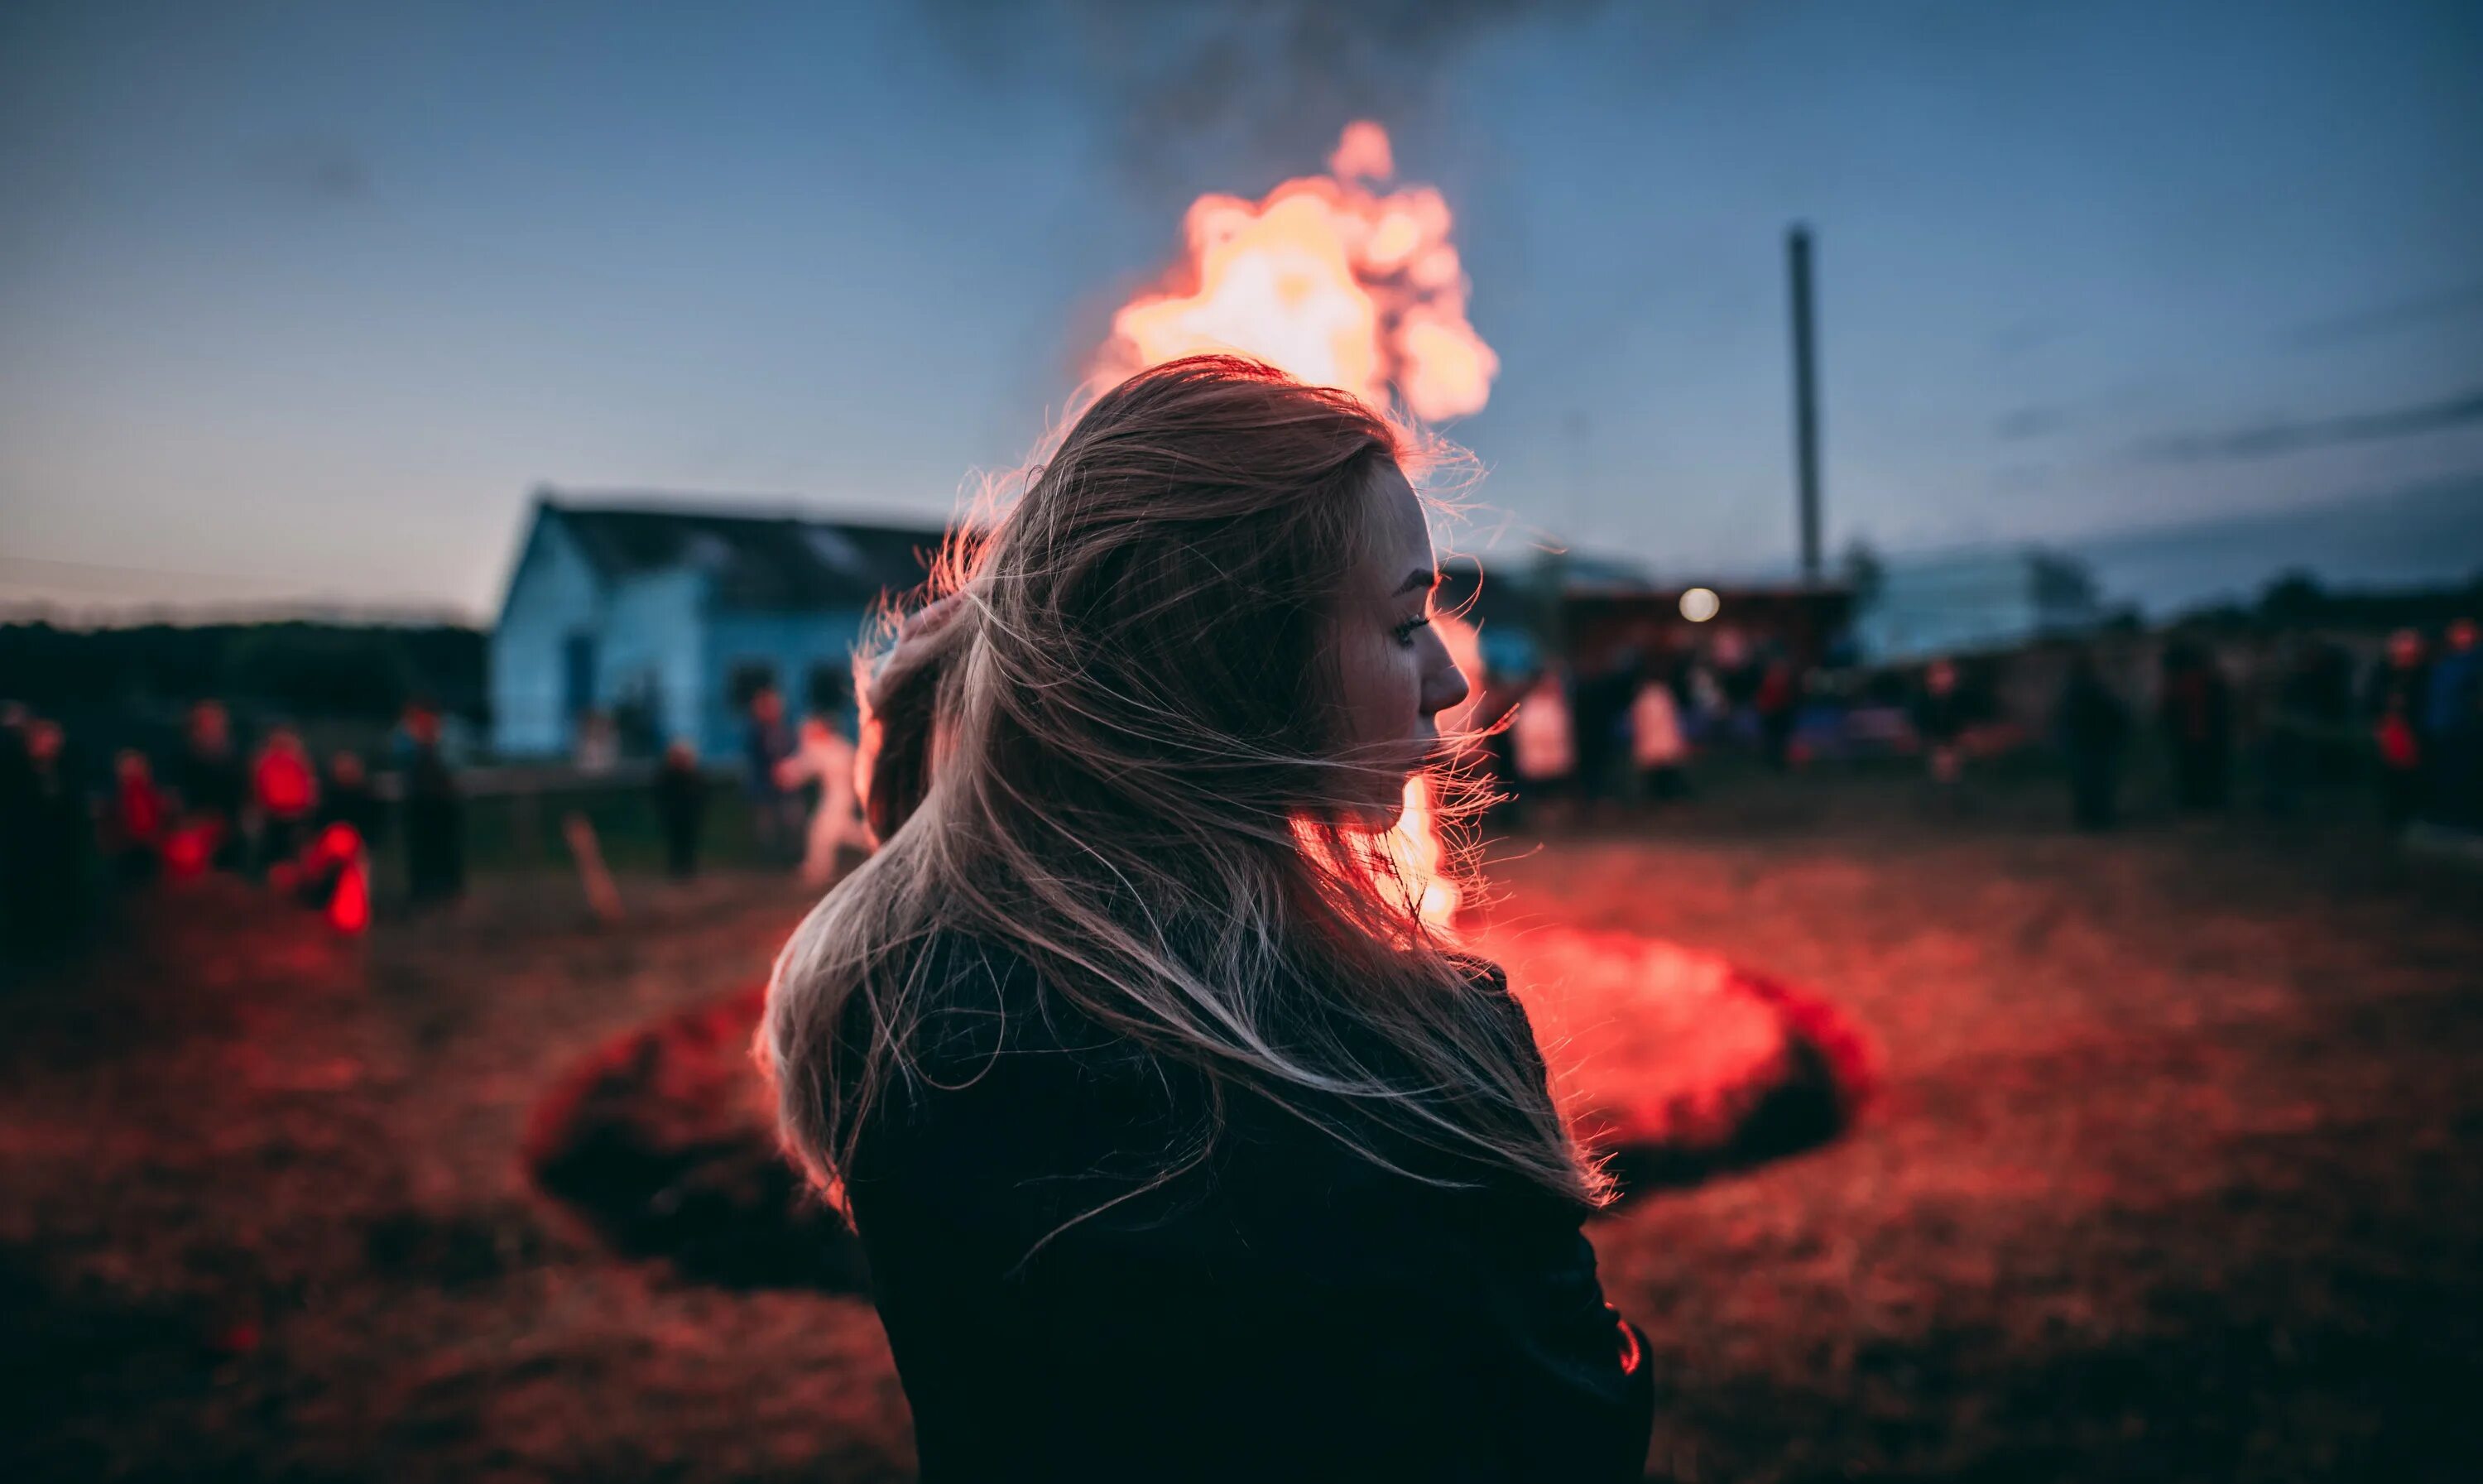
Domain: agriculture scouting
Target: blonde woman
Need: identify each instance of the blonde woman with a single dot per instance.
(1180, 1148)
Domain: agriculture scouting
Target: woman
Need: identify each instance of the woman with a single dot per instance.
(1179, 1147)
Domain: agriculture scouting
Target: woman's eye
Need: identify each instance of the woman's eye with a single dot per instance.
(1406, 631)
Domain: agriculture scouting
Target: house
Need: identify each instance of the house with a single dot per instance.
(1958, 602)
(666, 619)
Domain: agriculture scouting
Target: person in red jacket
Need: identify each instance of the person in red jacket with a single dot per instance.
(285, 796)
(1181, 1146)
(141, 817)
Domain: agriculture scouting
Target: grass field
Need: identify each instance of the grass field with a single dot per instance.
(2170, 1174)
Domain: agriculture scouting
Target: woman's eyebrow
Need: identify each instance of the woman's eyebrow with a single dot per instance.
(1416, 581)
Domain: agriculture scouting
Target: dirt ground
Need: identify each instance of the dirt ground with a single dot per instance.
(2170, 1175)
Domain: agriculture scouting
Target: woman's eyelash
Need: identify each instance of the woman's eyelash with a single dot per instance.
(1405, 630)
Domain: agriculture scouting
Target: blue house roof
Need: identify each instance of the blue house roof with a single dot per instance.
(758, 563)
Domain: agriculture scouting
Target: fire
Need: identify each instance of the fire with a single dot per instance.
(1333, 277)
(1415, 847)
(1414, 844)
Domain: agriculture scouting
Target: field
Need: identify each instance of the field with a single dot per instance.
(2169, 1175)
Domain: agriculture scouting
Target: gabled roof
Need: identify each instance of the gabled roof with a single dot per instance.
(773, 563)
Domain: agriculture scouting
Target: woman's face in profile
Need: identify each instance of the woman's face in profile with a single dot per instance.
(1397, 672)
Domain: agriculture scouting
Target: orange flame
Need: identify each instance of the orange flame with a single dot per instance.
(1414, 844)
(1326, 278)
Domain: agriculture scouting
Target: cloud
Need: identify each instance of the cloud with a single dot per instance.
(323, 172)
(2374, 321)
(2285, 436)
(2029, 422)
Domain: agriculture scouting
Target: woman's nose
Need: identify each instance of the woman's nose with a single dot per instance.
(1445, 687)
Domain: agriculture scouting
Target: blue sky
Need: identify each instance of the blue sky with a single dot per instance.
(301, 300)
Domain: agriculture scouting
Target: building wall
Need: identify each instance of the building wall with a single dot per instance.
(789, 646)
(1950, 605)
(651, 648)
(552, 596)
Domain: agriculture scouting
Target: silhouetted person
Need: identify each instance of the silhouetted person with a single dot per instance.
(141, 817)
(2399, 695)
(680, 807)
(435, 823)
(16, 805)
(1939, 718)
(2294, 723)
(347, 798)
(2196, 711)
(2453, 730)
(213, 786)
(1777, 703)
(49, 836)
(2094, 725)
(1598, 716)
(284, 795)
(766, 741)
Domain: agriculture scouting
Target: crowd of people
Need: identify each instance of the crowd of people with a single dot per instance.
(1629, 729)
(70, 830)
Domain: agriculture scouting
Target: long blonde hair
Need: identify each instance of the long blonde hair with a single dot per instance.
(1109, 744)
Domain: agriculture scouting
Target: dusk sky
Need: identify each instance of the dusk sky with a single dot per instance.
(302, 301)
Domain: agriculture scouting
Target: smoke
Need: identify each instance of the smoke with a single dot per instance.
(1182, 87)
(2285, 436)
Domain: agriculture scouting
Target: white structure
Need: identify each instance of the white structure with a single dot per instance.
(1962, 601)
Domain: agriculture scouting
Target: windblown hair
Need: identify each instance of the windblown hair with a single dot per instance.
(1110, 743)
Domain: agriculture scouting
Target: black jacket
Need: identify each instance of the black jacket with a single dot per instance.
(1285, 1311)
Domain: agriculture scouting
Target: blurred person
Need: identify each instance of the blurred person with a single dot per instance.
(1599, 716)
(2194, 709)
(435, 815)
(598, 745)
(2400, 692)
(347, 798)
(17, 790)
(824, 757)
(2290, 749)
(50, 836)
(1940, 719)
(284, 797)
(141, 817)
(1776, 702)
(766, 741)
(680, 807)
(1659, 747)
(2094, 728)
(213, 786)
(1179, 1146)
(2453, 730)
(1541, 737)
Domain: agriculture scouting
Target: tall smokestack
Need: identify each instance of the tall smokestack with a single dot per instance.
(1805, 400)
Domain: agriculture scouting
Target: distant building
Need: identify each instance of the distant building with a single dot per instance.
(1611, 608)
(1965, 602)
(665, 619)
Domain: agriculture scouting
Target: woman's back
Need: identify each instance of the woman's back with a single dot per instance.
(1279, 1308)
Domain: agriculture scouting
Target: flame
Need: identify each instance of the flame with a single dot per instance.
(1327, 279)
(1415, 847)
(1414, 844)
